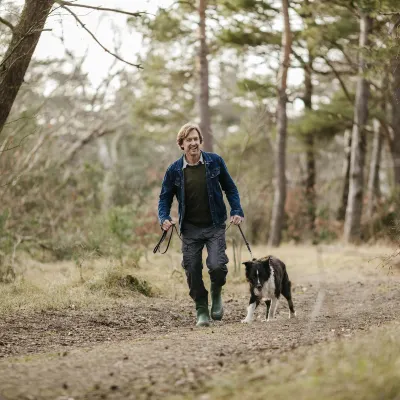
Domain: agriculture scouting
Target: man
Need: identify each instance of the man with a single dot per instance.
(196, 180)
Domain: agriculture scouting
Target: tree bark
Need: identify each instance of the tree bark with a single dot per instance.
(205, 116)
(108, 156)
(373, 188)
(280, 152)
(352, 225)
(16, 60)
(310, 150)
(394, 142)
(341, 213)
(309, 184)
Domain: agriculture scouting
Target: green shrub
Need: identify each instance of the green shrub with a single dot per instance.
(115, 282)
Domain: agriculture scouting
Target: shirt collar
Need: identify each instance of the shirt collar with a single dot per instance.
(185, 163)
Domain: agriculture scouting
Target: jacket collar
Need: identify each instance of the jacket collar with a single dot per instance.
(185, 163)
(206, 158)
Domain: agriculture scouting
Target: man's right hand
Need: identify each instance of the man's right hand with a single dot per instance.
(167, 224)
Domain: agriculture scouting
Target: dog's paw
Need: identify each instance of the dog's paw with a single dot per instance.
(245, 321)
(292, 315)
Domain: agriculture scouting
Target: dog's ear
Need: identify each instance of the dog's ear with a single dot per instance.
(265, 262)
(248, 265)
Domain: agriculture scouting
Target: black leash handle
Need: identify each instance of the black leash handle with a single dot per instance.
(163, 236)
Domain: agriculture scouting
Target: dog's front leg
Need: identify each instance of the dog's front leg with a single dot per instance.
(268, 304)
(254, 302)
(272, 309)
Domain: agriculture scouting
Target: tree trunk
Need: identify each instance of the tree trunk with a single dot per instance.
(205, 117)
(280, 158)
(394, 142)
(309, 184)
(346, 176)
(352, 224)
(373, 179)
(310, 151)
(108, 156)
(19, 53)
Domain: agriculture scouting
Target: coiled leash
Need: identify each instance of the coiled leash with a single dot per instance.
(164, 235)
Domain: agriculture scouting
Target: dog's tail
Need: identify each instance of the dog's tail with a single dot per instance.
(286, 285)
(287, 293)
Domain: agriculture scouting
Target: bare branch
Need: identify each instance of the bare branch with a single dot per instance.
(30, 32)
(72, 4)
(81, 143)
(96, 40)
(17, 145)
(337, 74)
(15, 47)
(5, 22)
(394, 26)
(346, 56)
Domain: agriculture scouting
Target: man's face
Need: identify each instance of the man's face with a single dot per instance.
(191, 145)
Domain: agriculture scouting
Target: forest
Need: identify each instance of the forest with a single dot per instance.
(301, 98)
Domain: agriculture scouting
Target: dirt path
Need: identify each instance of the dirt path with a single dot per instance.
(150, 350)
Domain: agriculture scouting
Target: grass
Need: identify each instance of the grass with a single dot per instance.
(62, 285)
(114, 282)
(365, 368)
(97, 282)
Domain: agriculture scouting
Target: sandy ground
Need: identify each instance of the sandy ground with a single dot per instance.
(150, 349)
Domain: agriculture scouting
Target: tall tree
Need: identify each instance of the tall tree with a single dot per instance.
(309, 138)
(394, 141)
(373, 190)
(16, 60)
(280, 151)
(359, 137)
(26, 34)
(313, 49)
(341, 213)
(183, 28)
(204, 107)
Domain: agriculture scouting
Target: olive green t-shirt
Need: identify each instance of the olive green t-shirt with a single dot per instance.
(197, 207)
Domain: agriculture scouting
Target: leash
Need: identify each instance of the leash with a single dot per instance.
(164, 235)
(247, 243)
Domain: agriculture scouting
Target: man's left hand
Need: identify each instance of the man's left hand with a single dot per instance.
(236, 219)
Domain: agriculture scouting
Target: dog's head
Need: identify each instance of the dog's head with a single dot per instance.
(257, 273)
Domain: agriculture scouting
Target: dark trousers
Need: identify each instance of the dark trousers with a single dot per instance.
(193, 241)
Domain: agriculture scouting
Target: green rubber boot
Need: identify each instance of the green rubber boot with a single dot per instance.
(203, 316)
(217, 309)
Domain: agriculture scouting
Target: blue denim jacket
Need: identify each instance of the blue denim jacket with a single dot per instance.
(217, 177)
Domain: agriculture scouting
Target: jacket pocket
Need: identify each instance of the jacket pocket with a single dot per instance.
(215, 172)
(177, 181)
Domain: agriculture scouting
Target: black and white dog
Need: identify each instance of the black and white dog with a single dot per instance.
(268, 279)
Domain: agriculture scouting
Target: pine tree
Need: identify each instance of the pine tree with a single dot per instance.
(352, 227)
(280, 151)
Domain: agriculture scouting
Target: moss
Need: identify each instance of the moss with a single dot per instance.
(115, 283)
